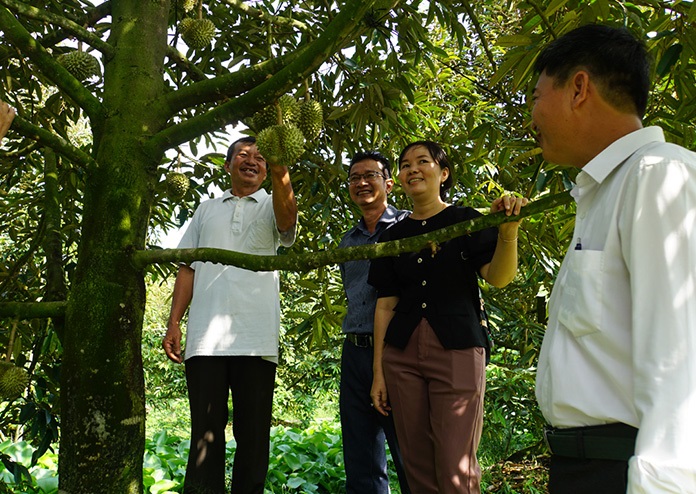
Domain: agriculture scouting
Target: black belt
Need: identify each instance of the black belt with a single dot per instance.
(360, 340)
(599, 442)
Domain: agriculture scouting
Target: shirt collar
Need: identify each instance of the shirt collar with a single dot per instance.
(256, 196)
(619, 151)
(388, 217)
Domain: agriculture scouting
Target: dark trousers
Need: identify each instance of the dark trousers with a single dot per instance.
(364, 430)
(209, 380)
(582, 476)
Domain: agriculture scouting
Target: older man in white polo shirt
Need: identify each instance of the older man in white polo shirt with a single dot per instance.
(233, 324)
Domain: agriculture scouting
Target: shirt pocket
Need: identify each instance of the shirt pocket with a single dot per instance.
(582, 297)
(261, 235)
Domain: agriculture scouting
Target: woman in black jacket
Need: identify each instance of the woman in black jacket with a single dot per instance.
(429, 346)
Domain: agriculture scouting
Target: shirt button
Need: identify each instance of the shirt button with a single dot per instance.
(424, 305)
(420, 260)
(423, 223)
(424, 282)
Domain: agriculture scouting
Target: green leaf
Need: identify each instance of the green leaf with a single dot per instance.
(669, 59)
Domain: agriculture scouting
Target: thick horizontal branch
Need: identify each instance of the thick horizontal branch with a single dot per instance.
(31, 310)
(297, 262)
(312, 260)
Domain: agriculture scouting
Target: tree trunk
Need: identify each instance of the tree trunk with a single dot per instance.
(103, 398)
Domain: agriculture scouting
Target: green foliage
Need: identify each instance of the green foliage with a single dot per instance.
(302, 460)
(458, 73)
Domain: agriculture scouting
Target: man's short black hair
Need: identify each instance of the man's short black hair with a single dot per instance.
(245, 139)
(372, 155)
(616, 59)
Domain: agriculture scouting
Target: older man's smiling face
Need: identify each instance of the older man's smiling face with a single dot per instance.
(247, 168)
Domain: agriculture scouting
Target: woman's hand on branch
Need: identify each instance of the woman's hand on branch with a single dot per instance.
(512, 206)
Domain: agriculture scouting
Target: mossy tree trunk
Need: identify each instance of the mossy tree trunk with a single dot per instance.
(103, 414)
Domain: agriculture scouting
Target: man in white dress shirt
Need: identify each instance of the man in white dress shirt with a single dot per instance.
(617, 371)
(233, 323)
(7, 114)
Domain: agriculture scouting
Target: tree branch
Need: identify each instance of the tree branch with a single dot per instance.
(31, 310)
(73, 28)
(180, 60)
(298, 262)
(55, 142)
(312, 260)
(336, 34)
(482, 36)
(91, 18)
(225, 87)
(544, 19)
(260, 14)
(55, 72)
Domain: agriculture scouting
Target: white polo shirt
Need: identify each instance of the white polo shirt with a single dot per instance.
(234, 311)
(621, 339)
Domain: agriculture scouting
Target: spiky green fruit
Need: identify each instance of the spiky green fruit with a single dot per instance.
(4, 365)
(13, 382)
(81, 65)
(187, 5)
(177, 184)
(289, 109)
(197, 33)
(268, 144)
(311, 119)
(281, 144)
(265, 118)
(285, 111)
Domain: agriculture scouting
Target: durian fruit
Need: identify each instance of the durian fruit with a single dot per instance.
(197, 33)
(310, 120)
(265, 118)
(281, 144)
(13, 380)
(187, 5)
(177, 184)
(289, 109)
(80, 64)
(285, 111)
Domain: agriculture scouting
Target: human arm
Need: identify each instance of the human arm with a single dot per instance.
(503, 266)
(284, 202)
(7, 114)
(181, 298)
(659, 246)
(383, 315)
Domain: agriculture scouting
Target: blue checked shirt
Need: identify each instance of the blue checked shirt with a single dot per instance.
(362, 297)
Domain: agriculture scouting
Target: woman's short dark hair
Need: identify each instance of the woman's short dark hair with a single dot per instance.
(231, 149)
(371, 155)
(617, 60)
(440, 158)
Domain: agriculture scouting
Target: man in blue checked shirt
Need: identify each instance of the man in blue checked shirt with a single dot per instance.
(364, 430)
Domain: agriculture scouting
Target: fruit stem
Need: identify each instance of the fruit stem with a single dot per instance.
(13, 333)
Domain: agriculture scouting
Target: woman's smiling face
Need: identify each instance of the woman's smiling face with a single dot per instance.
(419, 174)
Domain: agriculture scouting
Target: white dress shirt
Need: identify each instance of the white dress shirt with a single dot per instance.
(234, 311)
(621, 340)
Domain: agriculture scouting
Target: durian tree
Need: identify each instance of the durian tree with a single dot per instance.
(118, 100)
